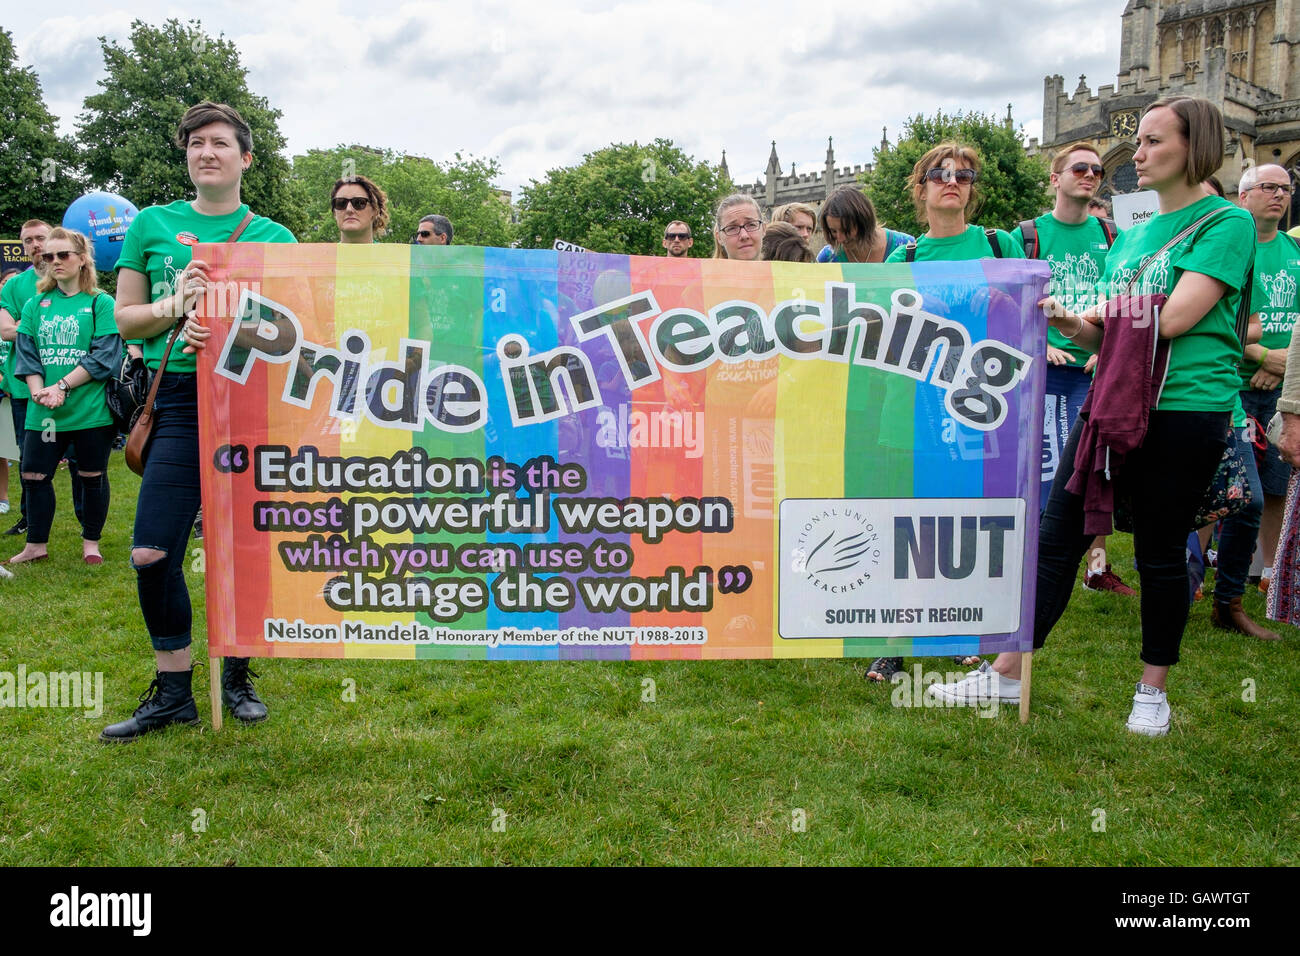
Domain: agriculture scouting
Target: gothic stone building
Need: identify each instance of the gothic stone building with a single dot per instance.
(1243, 56)
(778, 188)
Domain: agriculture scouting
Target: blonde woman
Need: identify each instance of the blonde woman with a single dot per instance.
(67, 346)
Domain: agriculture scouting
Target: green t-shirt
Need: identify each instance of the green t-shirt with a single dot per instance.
(14, 297)
(63, 326)
(1277, 272)
(159, 244)
(1077, 255)
(1203, 361)
(971, 244)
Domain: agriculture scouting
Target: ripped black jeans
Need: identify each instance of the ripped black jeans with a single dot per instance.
(164, 514)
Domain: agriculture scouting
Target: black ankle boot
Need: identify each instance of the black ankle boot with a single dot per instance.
(237, 690)
(169, 700)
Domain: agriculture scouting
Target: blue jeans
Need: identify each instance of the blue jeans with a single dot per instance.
(1240, 531)
(164, 515)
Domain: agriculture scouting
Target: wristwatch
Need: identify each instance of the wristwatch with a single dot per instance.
(63, 386)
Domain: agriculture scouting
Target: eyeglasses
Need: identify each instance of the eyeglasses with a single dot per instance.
(1271, 189)
(752, 225)
(358, 202)
(1080, 169)
(679, 235)
(962, 176)
(425, 233)
(62, 255)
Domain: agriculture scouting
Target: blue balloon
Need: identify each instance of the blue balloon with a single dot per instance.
(104, 218)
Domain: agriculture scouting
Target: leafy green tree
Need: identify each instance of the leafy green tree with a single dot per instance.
(618, 199)
(1012, 184)
(461, 190)
(38, 168)
(128, 129)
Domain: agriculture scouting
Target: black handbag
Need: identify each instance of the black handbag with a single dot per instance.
(125, 391)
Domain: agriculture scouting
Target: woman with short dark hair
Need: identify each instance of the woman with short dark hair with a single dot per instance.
(1198, 251)
(158, 286)
(848, 221)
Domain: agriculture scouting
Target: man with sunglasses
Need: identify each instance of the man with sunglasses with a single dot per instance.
(1265, 192)
(678, 239)
(17, 292)
(433, 230)
(1074, 243)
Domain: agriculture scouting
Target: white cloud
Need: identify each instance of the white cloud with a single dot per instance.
(538, 84)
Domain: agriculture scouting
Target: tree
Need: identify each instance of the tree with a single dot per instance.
(618, 199)
(128, 129)
(461, 190)
(1012, 184)
(37, 166)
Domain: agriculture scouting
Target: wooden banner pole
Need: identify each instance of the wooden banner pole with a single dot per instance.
(1026, 666)
(214, 690)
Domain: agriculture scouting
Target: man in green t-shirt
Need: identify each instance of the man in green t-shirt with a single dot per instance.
(1265, 192)
(1074, 243)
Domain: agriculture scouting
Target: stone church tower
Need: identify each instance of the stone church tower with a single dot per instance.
(1242, 55)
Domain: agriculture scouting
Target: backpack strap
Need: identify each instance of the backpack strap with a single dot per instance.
(1029, 238)
(1110, 229)
(909, 252)
(992, 236)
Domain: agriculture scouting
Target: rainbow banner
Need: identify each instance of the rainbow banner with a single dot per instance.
(429, 452)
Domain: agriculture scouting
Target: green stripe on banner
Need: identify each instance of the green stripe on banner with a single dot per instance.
(446, 309)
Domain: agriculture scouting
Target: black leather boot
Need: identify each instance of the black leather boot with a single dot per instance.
(169, 700)
(237, 691)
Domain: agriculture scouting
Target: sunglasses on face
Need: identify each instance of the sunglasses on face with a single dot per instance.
(358, 202)
(62, 256)
(1080, 169)
(425, 233)
(963, 177)
(677, 235)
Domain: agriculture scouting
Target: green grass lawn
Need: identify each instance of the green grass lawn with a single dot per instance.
(732, 762)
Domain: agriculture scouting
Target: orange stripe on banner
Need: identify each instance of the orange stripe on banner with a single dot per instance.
(659, 470)
(740, 400)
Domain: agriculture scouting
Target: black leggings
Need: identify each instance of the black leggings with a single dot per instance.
(41, 457)
(1166, 478)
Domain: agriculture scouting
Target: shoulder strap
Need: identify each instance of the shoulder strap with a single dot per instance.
(239, 230)
(1110, 229)
(1029, 237)
(1294, 241)
(992, 236)
(910, 251)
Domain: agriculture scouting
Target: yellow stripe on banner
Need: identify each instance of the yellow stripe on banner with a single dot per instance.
(809, 431)
(372, 294)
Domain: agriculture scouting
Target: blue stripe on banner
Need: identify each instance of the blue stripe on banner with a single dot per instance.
(519, 297)
(949, 456)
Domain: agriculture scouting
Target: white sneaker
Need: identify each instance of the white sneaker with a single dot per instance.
(978, 687)
(1150, 713)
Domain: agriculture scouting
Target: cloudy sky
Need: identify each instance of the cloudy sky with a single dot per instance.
(537, 84)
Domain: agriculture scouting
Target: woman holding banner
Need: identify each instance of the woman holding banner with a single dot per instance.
(360, 209)
(1198, 251)
(158, 286)
(944, 194)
